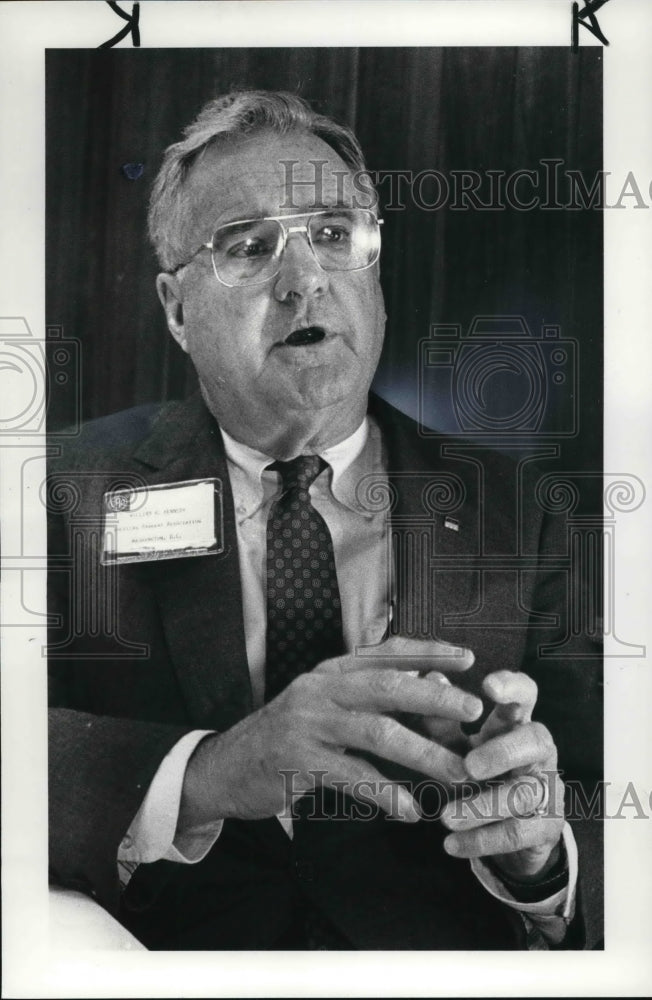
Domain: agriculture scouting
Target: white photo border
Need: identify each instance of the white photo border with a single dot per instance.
(31, 968)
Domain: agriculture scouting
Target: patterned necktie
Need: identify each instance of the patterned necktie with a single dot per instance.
(304, 613)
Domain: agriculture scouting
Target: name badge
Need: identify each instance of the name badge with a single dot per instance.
(171, 521)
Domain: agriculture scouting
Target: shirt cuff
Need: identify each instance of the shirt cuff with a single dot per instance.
(549, 917)
(153, 834)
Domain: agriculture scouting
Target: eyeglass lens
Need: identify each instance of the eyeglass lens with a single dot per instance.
(246, 252)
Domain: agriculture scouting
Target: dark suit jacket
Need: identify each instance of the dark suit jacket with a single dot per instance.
(143, 653)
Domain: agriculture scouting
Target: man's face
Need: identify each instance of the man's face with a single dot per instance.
(252, 378)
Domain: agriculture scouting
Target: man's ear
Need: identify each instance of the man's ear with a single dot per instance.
(169, 292)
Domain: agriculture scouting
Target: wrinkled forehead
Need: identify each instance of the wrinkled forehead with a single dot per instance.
(267, 174)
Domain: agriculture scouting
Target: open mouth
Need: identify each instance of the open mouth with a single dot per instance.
(304, 336)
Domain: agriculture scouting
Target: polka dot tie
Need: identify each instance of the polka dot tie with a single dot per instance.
(304, 613)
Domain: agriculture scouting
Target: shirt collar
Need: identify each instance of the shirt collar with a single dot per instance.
(356, 456)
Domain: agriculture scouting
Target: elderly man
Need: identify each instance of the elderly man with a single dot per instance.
(266, 745)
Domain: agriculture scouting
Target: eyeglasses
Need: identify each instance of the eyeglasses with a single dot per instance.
(249, 252)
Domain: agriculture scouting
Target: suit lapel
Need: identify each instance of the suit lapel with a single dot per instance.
(435, 527)
(200, 597)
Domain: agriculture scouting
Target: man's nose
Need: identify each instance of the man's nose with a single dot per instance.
(300, 275)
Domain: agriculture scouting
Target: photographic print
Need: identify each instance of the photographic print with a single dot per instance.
(332, 540)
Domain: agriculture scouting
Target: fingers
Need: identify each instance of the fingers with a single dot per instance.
(448, 732)
(506, 837)
(445, 731)
(520, 798)
(514, 693)
(435, 677)
(387, 738)
(526, 745)
(393, 691)
(522, 816)
(400, 653)
(351, 711)
(362, 781)
(515, 696)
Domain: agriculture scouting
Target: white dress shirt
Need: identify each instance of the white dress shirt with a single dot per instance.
(363, 563)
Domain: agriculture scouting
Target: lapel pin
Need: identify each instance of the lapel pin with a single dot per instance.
(451, 523)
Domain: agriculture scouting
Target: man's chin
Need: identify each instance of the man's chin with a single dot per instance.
(323, 387)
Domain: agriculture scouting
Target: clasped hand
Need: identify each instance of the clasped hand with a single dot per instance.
(349, 704)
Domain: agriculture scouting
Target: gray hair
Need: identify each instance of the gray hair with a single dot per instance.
(238, 113)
